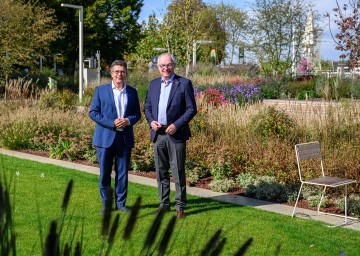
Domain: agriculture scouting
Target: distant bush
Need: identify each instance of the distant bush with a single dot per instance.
(270, 88)
(203, 69)
(355, 88)
(64, 99)
(274, 122)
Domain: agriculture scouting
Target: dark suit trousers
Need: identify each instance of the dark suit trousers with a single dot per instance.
(106, 156)
(170, 154)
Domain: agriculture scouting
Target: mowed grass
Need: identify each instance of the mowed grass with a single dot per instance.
(37, 191)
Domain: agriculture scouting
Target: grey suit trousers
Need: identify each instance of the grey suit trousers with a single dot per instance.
(169, 154)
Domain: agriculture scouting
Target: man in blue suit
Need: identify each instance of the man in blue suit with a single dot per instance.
(169, 107)
(115, 108)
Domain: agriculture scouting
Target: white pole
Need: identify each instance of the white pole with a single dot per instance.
(98, 66)
(81, 46)
(81, 53)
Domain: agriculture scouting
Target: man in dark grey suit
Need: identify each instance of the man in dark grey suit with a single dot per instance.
(115, 108)
(169, 107)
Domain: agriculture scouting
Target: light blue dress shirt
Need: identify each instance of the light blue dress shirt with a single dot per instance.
(163, 100)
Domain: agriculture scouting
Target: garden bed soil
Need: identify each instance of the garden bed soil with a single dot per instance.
(203, 183)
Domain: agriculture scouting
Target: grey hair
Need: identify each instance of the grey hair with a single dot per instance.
(118, 63)
(167, 54)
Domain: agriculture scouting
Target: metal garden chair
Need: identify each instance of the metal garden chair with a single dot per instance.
(311, 152)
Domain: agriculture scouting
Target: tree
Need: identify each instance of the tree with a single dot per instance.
(348, 39)
(26, 31)
(235, 24)
(151, 39)
(109, 26)
(277, 32)
(112, 27)
(186, 22)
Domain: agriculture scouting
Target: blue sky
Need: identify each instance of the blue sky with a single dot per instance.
(322, 6)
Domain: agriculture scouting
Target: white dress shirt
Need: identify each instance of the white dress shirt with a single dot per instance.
(121, 99)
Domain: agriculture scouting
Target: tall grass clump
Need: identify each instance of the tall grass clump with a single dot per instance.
(21, 89)
(31, 127)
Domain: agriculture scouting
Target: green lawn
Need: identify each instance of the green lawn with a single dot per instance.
(37, 193)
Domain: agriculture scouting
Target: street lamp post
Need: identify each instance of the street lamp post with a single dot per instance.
(81, 45)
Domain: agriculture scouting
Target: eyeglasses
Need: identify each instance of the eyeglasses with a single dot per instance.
(119, 72)
(169, 65)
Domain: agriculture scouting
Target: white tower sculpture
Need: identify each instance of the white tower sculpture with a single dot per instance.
(309, 42)
(312, 43)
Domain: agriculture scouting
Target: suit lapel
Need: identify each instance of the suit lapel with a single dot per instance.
(111, 96)
(174, 86)
(129, 99)
(156, 95)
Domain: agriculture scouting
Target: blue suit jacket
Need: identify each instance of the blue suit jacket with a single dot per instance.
(180, 110)
(103, 112)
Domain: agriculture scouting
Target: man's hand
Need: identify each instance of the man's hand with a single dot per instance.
(171, 129)
(121, 123)
(155, 125)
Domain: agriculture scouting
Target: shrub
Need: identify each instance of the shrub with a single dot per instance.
(214, 97)
(221, 169)
(90, 155)
(289, 194)
(355, 88)
(353, 203)
(142, 157)
(64, 99)
(141, 82)
(304, 95)
(296, 88)
(192, 176)
(206, 70)
(244, 179)
(274, 122)
(266, 188)
(88, 95)
(308, 191)
(313, 201)
(58, 150)
(17, 134)
(224, 185)
(312, 195)
(270, 88)
(67, 99)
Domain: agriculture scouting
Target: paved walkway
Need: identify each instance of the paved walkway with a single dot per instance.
(222, 197)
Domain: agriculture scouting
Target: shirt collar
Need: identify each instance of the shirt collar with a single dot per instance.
(170, 80)
(114, 87)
